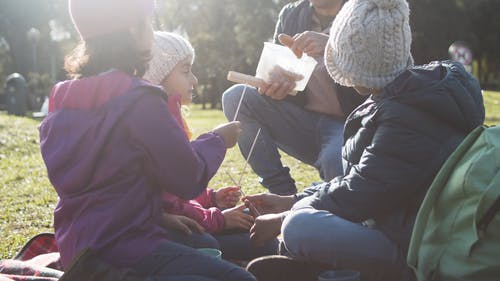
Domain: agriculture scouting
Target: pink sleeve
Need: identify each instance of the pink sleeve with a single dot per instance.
(211, 219)
(207, 198)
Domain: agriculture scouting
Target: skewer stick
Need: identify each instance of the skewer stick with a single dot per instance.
(232, 179)
(243, 193)
(238, 77)
(235, 183)
(239, 103)
(249, 155)
(243, 172)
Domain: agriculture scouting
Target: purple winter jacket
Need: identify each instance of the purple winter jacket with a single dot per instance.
(111, 148)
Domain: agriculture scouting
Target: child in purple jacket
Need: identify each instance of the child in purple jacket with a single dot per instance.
(104, 147)
(213, 212)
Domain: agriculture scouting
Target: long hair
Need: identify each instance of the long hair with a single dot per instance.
(117, 50)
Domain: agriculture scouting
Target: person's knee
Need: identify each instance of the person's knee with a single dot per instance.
(207, 241)
(296, 232)
(329, 166)
(329, 162)
(230, 100)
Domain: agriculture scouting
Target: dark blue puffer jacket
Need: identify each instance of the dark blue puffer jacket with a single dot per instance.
(396, 142)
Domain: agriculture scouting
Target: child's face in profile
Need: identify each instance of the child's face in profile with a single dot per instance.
(181, 81)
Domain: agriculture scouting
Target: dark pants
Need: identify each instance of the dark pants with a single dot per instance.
(176, 262)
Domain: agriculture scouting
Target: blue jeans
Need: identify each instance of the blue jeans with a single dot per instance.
(176, 262)
(320, 236)
(195, 240)
(235, 245)
(313, 138)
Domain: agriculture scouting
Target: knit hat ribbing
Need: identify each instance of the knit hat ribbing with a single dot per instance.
(98, 17)
(369, 43)
(168, 50)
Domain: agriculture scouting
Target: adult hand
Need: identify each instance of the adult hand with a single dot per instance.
(280, 83)
(237, 219)
(265, 228)
(267, 203)
(310, 42)
(227, 197)
(229, 132)
(181, 223)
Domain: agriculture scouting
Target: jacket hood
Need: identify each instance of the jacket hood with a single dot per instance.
(90, 92)
(83, 114)
(455, 96)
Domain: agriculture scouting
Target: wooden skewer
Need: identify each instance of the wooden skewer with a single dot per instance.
(249, 155)
(243, 193)
(243, 171)
(238, 77)
(239, 103)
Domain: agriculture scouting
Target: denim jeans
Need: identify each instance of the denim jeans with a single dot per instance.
(195, 240)
(235, 245)
(320, 236)
(313, 138)
(176, 262)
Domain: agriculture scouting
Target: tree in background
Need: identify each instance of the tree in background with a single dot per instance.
(484, 34)
(17, 18)
(226, 34)
(229, 35)
(5, 59)
(437, 24)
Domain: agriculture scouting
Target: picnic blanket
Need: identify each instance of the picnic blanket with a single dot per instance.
(38, 260)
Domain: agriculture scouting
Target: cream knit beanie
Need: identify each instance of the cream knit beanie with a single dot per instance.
(168, 50)
(369, 43)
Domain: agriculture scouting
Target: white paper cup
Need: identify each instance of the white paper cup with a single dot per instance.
(276, 55)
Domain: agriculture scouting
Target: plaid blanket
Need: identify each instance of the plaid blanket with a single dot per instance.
(38, 260)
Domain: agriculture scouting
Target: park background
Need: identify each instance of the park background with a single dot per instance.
(227, 35)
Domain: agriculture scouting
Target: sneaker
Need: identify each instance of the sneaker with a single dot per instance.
(282, 268)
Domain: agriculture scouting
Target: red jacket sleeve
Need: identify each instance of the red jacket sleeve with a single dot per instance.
(207, 198)
(211, 219)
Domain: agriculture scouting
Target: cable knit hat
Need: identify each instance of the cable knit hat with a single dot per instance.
(168, 50)
(98, 17)
(369, 43)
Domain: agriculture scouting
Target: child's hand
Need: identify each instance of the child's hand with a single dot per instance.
(181, 223)
(227, 197)
(229, 132)
(237, 219)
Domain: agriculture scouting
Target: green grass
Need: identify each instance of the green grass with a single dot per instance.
(27, 198)
(204, 120)
(492, 107)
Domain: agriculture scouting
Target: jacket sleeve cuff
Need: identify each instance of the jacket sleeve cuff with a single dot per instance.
(309, 190)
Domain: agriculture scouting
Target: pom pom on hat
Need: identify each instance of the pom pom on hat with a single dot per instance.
(369, 43)
(168, 50)
(93, 18)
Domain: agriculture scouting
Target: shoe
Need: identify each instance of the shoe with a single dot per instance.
(282, 268)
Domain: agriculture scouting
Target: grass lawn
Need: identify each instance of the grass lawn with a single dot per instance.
(27, 198)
